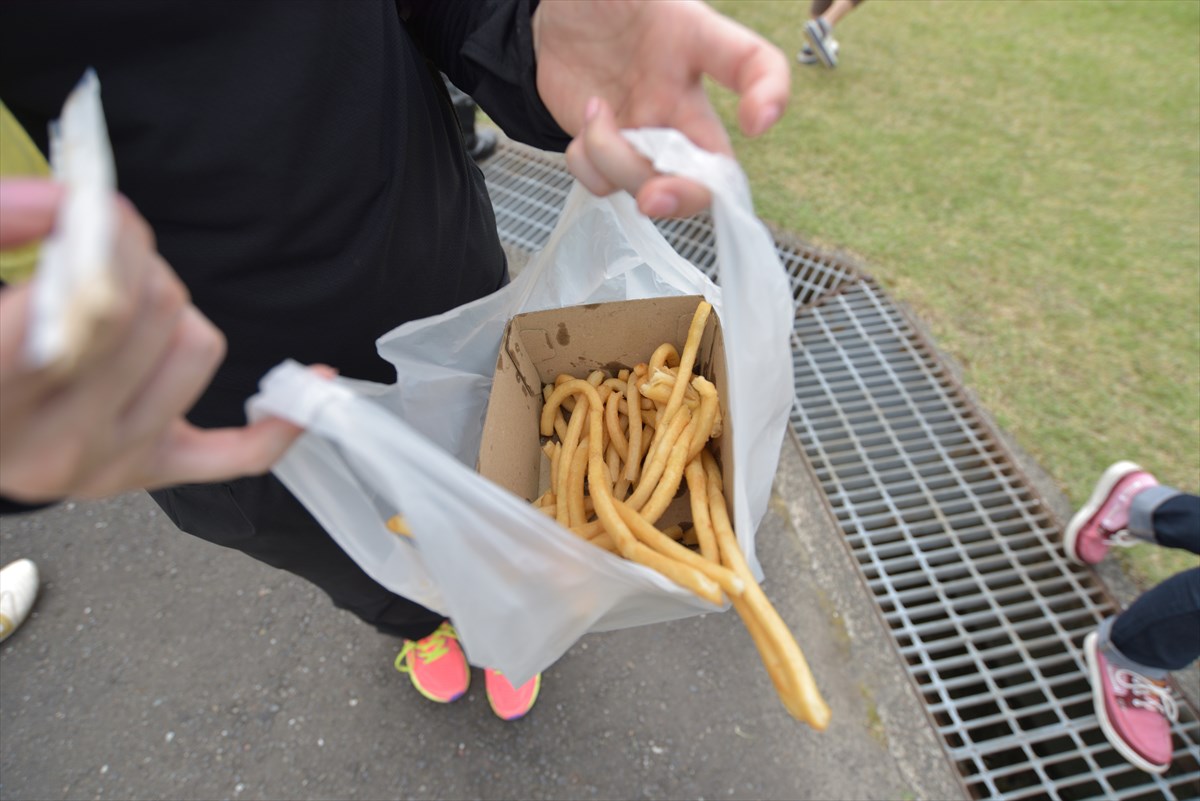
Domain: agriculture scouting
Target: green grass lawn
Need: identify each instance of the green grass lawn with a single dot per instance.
(1026, 177)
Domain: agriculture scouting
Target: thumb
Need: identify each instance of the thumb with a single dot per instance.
(194, 455)
(28, 208)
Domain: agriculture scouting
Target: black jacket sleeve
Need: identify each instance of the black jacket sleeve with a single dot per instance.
(485, 47)
(11, 507)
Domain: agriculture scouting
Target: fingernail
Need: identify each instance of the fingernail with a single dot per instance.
(768, 117)
(592, 109)
(661, 205)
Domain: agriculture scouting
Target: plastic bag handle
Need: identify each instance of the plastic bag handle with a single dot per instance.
(674, 154)
(758, 305)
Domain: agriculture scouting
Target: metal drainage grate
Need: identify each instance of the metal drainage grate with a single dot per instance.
(529, 187)
(963, 560)
(960, 554)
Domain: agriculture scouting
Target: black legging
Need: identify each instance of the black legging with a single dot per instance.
(259, 517)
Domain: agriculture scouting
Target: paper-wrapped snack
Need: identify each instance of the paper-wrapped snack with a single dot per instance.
(74, 285)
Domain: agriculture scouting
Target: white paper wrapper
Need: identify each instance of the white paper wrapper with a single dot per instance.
(74, 284)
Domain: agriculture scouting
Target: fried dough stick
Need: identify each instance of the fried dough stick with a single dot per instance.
(644, 530)
(706, 416)
(612, 422)
(780, 653)
(653, 471)
(687, 359)
(633, 401)
(605, 504)
(567, 388)
(668, 483)
(683, 374)
(697, 483)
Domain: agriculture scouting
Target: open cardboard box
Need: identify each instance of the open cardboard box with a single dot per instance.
(538, 346)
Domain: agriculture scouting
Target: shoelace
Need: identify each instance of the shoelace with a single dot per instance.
(1146, 694)
(430, 649)
(1120, 539)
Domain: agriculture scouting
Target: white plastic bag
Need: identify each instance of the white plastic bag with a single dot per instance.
(520, 589)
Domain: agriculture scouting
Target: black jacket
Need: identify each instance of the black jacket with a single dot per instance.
(299, 160)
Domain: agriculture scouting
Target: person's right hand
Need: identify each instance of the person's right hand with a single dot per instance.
(115, 420)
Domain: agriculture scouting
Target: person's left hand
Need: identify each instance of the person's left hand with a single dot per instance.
(603, 66)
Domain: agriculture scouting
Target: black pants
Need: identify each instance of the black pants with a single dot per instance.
(1161, 629)
(259, 517)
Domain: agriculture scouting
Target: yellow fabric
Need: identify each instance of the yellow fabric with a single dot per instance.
(18, 156)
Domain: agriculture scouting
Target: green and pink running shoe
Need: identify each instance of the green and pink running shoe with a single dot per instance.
(1104, 520)
(508, 702)
(436, 665)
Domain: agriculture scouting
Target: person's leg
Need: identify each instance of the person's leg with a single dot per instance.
(1160, 631)
(259, 517)
(1129, 657)
(819, 32)
(1135, 712)
(837, 10)
(1104, 520)
(1168, 517)
(807, 55)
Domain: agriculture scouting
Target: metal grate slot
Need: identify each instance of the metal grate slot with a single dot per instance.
(528, 189)
(951, 539)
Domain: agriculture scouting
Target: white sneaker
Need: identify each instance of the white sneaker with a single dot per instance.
(821, 41)
(808, 58)
(18, 588)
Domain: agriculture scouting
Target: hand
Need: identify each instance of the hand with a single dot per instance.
(602, 66)
(114, 420)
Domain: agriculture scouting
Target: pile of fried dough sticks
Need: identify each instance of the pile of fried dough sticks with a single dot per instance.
(619, 448)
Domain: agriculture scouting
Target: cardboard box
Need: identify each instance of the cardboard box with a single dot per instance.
(538, 346)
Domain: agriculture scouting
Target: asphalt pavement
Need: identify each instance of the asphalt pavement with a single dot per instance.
(156, 665)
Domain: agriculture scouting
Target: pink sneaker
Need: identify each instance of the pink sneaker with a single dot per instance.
(509, 703)
(1135, 713)
(436, 665)
(1104, 519)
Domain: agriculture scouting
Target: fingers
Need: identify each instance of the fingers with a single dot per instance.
(128, 215)
(28, 208)
(602, 160)
(606, 158)
(182, 372)
(672, 196)
(194, 455)
(114, 421)
(130, 344)
(580, 166)
(14, 320)
(743, 61)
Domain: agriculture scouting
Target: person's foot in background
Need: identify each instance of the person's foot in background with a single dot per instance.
(480, 142)
(808, 58)
(822, 48)
(18, 589)
(1135, 712)
(821, 42)
(1103, 522)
